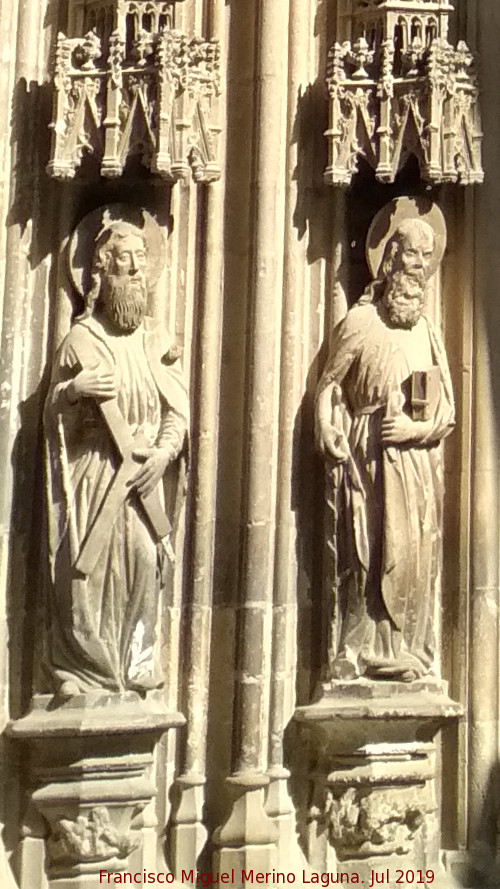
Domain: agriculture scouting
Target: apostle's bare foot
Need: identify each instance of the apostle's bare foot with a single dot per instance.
(145, 683)
(391, 672)
(68, 689)
(343, 668)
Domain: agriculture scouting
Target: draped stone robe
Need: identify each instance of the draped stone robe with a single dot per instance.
(102, 628)
(387, 499)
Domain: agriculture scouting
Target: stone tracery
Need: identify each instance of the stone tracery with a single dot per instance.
(396, 87)
(134, 86)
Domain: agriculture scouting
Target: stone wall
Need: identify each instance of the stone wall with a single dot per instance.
(260, 266)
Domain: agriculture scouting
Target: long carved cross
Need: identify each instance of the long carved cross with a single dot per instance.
(98, 533)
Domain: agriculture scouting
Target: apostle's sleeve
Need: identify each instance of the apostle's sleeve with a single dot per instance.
(61, 424)
(443, 420)
(164, 360)
(344, 348)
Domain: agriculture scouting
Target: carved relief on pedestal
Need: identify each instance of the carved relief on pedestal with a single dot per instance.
(90, 770)
(384, 404)
(373, 802)
(128, 84)
(377, 822)
(398, 87)
(89, 837)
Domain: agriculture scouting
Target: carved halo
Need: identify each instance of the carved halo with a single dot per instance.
(82, 242)
(391, 216)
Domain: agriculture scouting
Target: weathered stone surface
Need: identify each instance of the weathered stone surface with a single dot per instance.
(384, 403)
(259, 269)
(398, 87)
(91, 776)
(117, 400)
(372, 766)
(132, 86)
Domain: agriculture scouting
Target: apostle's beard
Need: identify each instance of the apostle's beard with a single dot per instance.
(404, 299)
(124, 301)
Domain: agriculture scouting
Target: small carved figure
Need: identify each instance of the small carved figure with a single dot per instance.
(91, 837)
(115, 418)
(384, 404)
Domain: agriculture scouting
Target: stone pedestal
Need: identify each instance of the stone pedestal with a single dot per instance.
(373, 808)
(92, 784)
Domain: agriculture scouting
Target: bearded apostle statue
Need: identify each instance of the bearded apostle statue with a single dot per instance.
(116, 417)
(384, 405)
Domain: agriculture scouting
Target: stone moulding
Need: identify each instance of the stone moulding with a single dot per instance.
(91, 776)
(144, 90)
(397, 87)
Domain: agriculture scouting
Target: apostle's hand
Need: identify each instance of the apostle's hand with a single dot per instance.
(91, 383)
(331, 442)
(154, 463)
(400, 429)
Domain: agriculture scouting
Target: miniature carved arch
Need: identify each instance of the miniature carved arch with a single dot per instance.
(416, 29)
(148, 21)
(149, 17)
(99, 18)
(374, 33)
(408, 94)
(431, 30)
(401, 40)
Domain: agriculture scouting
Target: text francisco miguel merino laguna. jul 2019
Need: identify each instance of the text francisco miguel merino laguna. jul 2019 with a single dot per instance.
(268, 878)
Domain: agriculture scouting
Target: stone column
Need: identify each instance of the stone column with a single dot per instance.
(473, 637)
(279, 805)
(25, 31)
(249, 835)
(189, 833)
(485, 581)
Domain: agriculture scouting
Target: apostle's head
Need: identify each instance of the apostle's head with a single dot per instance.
(119, 275)
(406, 267)
(410, 250)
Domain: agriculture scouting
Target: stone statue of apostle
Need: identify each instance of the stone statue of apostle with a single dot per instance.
(116, 416)
(384, 404)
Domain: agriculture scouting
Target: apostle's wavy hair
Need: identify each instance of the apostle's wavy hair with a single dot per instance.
(375, 289)
(111, 232)
(394, 243)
